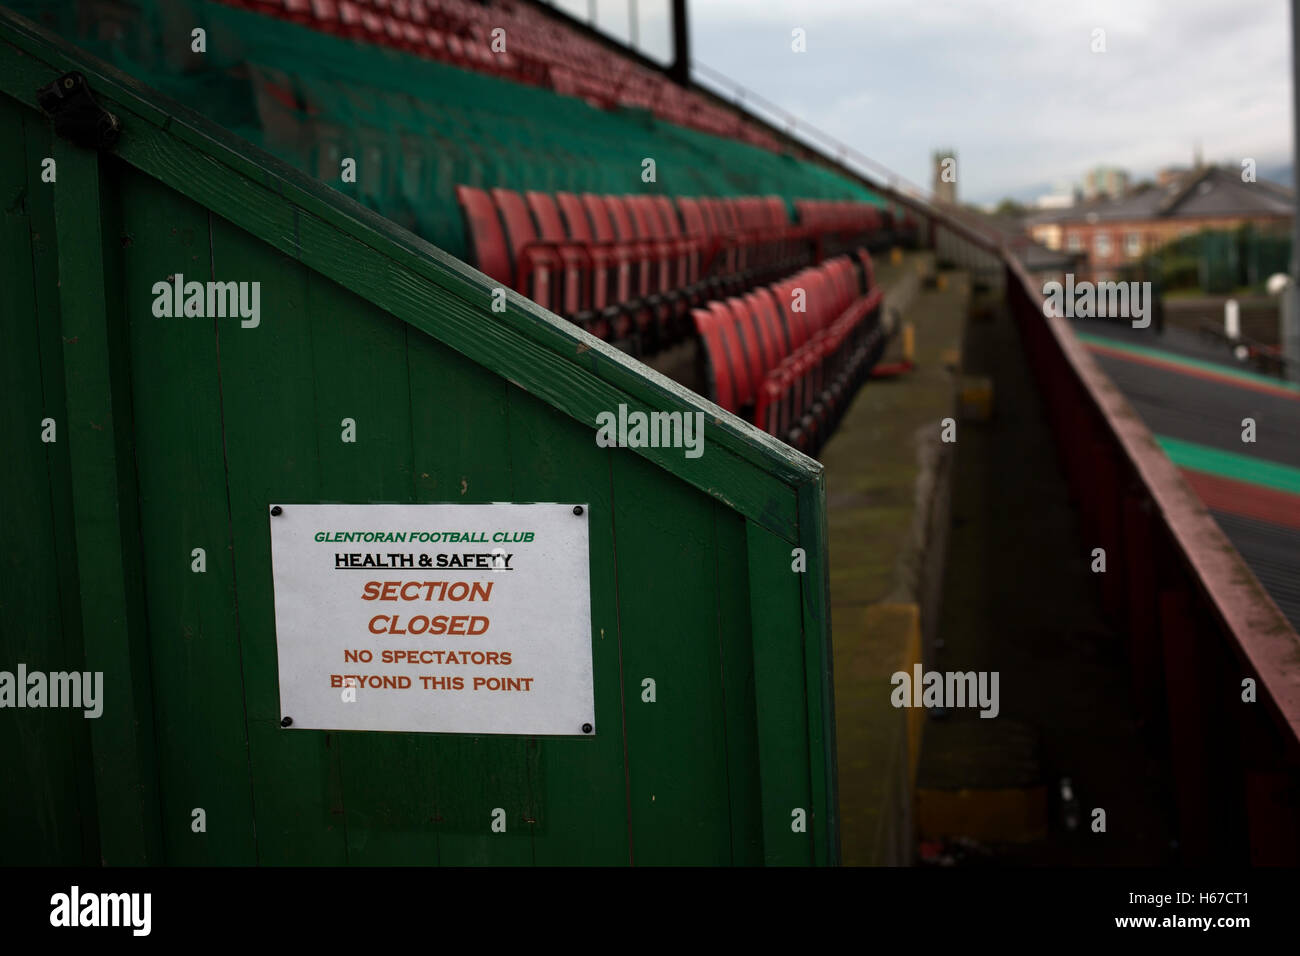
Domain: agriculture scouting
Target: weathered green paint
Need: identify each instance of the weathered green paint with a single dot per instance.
(104, 506)
(178, 434)
(40, 613)
(782, 706)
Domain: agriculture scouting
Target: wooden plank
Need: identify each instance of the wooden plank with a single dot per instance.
(676, 747)
(580, 786)
(358, 359)
(45, 271)
(39, 616)
(193, 627)
(731, 594)
(272, 432)
(389, 780)
(104, 497)
(776, 614)
(461, 453)
(818, 671)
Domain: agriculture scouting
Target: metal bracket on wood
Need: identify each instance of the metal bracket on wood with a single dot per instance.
(77, 117)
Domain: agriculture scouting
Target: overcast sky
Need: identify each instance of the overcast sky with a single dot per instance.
(1012, 85)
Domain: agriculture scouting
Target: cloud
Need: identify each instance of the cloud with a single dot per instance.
(1013, 85)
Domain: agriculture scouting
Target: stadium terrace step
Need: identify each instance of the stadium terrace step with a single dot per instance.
(520, 43)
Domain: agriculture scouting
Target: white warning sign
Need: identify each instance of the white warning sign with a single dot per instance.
(442, 618)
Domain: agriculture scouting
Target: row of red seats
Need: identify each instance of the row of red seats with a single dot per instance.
(538, 50)
(844, 224)
(629, 268)
(840, 215)
(789, 357)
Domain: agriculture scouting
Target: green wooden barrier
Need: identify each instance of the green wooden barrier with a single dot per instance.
(131, 439)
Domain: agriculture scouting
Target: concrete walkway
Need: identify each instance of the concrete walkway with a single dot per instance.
(884, 469)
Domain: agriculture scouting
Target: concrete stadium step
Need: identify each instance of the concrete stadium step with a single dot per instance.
(887, 474)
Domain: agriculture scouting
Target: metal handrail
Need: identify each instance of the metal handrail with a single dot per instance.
(745, 100)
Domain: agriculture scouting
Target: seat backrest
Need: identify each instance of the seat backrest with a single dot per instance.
(846, 279)
(751, 344)
(734, 346)
(519, 224)
(816, 300)
(803, 209)
(768, 310)
(723, 212)
(692, 217)
(644, 217)
(575, 217)
(714, 225)
(868, 269)
(783, 293)
(547, 215)
(602, 226)
(621, 216)
(761, 322)
(717, 358)
(491, 254)
(777, 213)
(668, 216)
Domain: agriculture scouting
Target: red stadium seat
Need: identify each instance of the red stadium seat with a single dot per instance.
(491, 254)
(536, 265)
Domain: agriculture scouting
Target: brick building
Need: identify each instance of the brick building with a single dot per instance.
(1114, 232)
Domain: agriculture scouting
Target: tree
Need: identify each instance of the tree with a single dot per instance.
(1010, 209)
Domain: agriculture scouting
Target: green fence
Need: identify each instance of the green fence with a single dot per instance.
(1217, 262)
(133, 439)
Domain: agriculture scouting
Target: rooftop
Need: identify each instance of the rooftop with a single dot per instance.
(1209, 191)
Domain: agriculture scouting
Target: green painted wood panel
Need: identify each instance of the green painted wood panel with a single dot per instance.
(781, 705)
(45, 268)
(555, 459)
(45, 752)
(677, 758)
(104, 504)
(273, 431)
(690, 569)
(194, 629)
(819, 687)
(461, 453)
(736, 651)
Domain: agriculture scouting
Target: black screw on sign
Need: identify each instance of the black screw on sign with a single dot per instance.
(77, 117)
